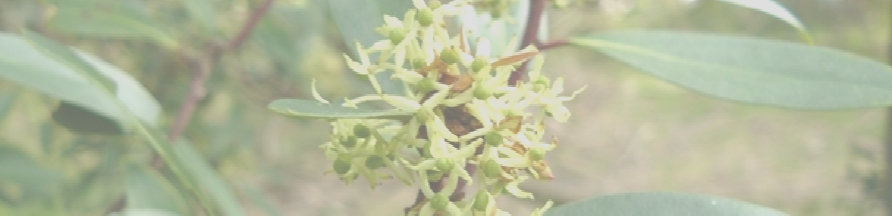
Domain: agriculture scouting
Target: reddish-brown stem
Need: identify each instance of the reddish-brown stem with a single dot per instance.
(201, 70)
(530, 36)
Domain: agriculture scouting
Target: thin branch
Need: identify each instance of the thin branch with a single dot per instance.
(201, 70)
(530, 36)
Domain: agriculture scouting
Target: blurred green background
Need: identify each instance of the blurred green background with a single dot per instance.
(629, 132)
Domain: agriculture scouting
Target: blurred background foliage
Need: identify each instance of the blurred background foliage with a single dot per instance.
(630, 132)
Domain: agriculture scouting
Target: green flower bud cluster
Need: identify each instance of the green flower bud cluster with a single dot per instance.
(465, 115)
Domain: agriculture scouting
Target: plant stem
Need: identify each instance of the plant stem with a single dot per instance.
(531, 37)
(201, 70)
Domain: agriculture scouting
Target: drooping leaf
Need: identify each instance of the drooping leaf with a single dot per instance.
(660, 204)
(208, 180)
(80, 79)
(114, 22)
(774, 9)
(147, 189)
(313, 109)
(752, 70)
(357, 20)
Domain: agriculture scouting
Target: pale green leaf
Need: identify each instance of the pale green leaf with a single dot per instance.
(108, 23)
(147, 189)
(207, 179)
(27, 65)
(313, 109)
(660, 204)
(752, 70)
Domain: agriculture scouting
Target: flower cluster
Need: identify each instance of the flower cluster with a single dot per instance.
(468, 121)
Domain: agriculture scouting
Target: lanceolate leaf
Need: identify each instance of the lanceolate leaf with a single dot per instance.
(752, 70)
(108, 23)
(313, 109)
(207, 180)
(147, 189)
(660, 204)
(77, 78)
(772, 8)
(129, 105)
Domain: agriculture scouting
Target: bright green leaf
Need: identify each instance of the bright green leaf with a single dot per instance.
(752, 70)
(775, 9)
(313, 109)
(660, 204)
(207, 179)
(108, 23)
(147, 189)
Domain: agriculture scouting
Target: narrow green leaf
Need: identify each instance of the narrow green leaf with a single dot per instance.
(147, 189)
(24, 64)
(752, 70)
(313, 109)
(207, 179)
(660, 204)
(108, 23)
(357, 20)
(775, 9)
(63, 55)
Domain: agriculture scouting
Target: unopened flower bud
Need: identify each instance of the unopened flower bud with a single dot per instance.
(439, 201)
(361, 131)
(491, 169)
(374, 162)
(341, 166)
(425, 17)
(493, 139)
(349, 142)
(536, 154)
(445, 164)
(481, 200)
(449, 56)
(396, 35)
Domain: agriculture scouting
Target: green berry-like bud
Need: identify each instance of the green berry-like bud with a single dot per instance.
(439, 201)
(418, 63)
(479, 63)
(493, 139)
(349, 142)
(449, 55)
(482, 92)
(481, 200)
(361, 131)
(445, 164)
(341, 166)
(396, 35)
(434, 5)
(536, 154)
(492, 169)
(374, 162)
(425, 17)
(425, 85)
(540, 85)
